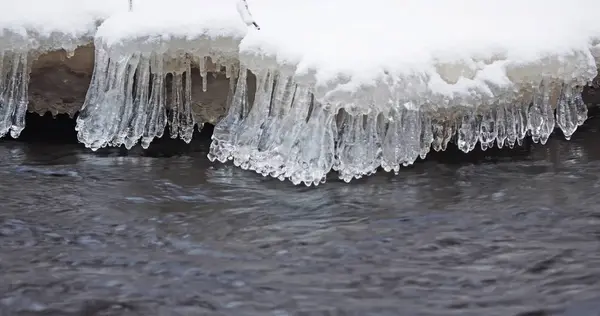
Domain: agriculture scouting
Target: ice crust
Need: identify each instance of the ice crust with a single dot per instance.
(341, 85)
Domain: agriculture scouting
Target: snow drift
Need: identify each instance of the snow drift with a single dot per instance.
(344, 85)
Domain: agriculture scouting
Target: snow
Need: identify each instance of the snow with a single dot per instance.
(364, 41)
(186, 19)
(349, 49)
(348, 44)
(73, 17)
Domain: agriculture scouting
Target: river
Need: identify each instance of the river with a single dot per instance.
(166, 232)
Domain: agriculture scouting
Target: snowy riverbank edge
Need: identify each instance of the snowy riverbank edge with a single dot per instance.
(481, 93)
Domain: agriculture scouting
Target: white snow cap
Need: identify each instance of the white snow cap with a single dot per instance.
(71, 17)
(242, 8)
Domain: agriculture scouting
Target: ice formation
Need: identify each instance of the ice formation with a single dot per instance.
(288, 134)
(30, 27)
(142, 77)
(340, 85)
(14, 79)
(337, 95)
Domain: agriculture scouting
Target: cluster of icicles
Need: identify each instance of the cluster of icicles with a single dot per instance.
(14, 83)
(287, 134)
(132, 97)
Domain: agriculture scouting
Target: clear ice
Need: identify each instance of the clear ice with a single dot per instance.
(14, 83)
(132, 97)
(287, 134)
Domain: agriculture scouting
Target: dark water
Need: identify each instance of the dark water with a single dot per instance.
(104, 234)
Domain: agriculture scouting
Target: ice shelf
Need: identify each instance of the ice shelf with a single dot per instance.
(337, 85)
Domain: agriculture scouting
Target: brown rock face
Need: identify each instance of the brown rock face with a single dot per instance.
(591, 95)
(58, 84)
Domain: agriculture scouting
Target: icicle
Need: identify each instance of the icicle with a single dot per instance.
(410, 132)
(186, 113)
(175, 106)
(228, 71)
(98, 86)
(402, 143)
(487, 131)
(288, 134)
(566, 112)
(548, 121)
(358, 150)
(225, 132)
(581, 108)
(390, 160)
(252, 127)
(426, 135)
(537, 113)
(156, 119)
(284, 148)
(107, 113)
(571, 111)
(14, 82)
(373, 151)
(281, 102)
(125, 112)
(140, 109)
(521, 121)
(203, 65)
(22, 97)
(468, 132)
(181, 114)
(511, 124)
(350, 151)
(2, 74)
(501, 124)
(120, 107)
(312, 155)
(443, 130)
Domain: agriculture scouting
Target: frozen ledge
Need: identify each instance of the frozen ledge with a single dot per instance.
(283, 123)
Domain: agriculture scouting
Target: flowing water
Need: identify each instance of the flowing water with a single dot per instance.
(149, 233)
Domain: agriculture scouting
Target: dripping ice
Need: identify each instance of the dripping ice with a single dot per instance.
(287, 134)
(14, 83)
(133, 97)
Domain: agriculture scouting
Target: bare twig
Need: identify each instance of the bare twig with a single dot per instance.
(242, 8)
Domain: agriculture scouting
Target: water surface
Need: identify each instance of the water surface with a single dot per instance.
(147, 234)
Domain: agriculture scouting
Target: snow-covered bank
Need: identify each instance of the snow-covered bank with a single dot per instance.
(339, 85)
(29, 28)
(50, 25)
